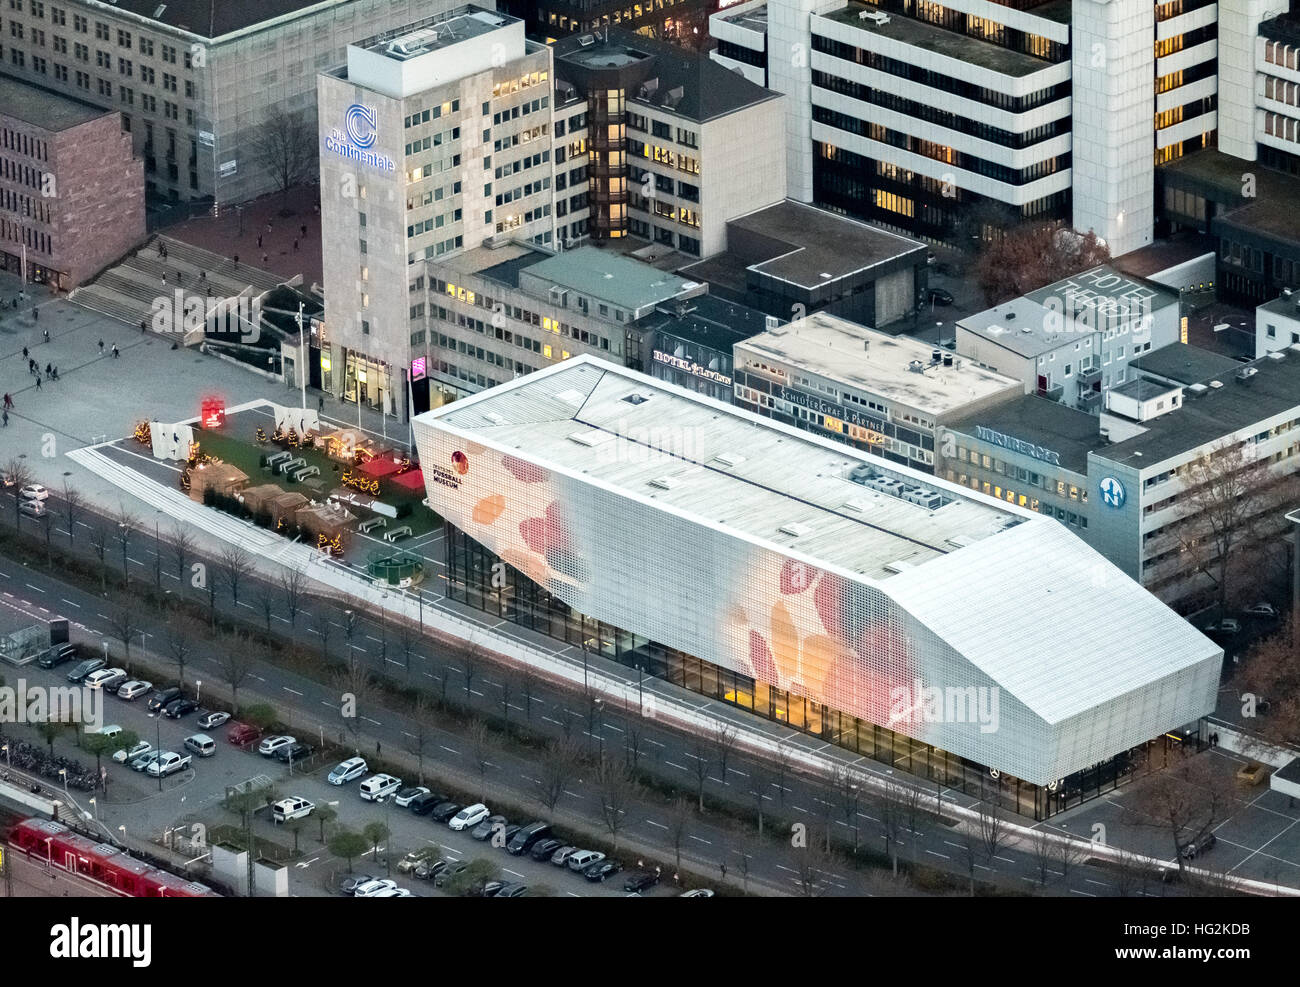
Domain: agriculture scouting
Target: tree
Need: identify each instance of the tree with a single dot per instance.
(700, 765)
(528, 689)
(325, 814)
(323, 626)
(99, 544)
(781, 762)
(295, 826)
(616, 788)
(407, 639)
(1270, 683)
(293, 584)
(679, 817)
(849, 794)
(47, 528)
(235, 664)
(50, 731)
(893, 818)
(72, 505)
(760, 780)
(1231, 501)
(1042, 850)
(357, 690)
(416, 740)
(181, 637)
(376, 833)
(1030, 256)
(1188, 799)
(507, 686)
(182, 549)
(125, 623)
(812, 871)
(264, 596)
(471, 668)
(284, 145)
(127, 523)
(17, 475)
(348, 845)
(236, 566)
(480, 747)
(724, 742)
(472, 879)
(99, 744)
(559, 763)
(261, 715)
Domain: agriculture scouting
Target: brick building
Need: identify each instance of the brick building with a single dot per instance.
(71, 192)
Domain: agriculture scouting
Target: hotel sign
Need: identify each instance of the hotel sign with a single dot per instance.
(692, 368)
(1017, 445)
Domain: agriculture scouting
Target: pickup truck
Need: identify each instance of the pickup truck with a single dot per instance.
(168, 762)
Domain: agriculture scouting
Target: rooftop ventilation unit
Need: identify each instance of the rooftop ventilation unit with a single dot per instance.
(947, 359)
(1216, 384)
(636, 398)
(494, 418)
(587, 40)
(916, 366)
(1197, 390)
(1277, 355)
(664, 482)
(592, 438)
(1245, 373)
(960, 541)
(899, 566)
(158, 12)
(729, 459)
(795, 530)
(875, 16)
(771, 322)
(675, 96)
(856, 506)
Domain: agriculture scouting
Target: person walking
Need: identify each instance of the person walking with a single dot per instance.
(38, 381)
(47, 335)
(9, 402)
(26, 355)
(236, 260)
(49, 371)
(295, 245)
(259, 241)
(56, 372)
(36, 316)
(115, 354)
(101, 346)
(320, 407)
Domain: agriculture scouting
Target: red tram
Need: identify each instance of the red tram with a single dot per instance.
(42, 839)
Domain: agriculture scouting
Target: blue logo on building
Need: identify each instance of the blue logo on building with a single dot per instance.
(1112, 492)
(360, 126)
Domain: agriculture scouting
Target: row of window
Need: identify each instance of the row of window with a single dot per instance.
(36, 240)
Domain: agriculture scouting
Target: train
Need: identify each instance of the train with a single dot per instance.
(102, 863)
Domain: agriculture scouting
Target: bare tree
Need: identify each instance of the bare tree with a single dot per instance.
(1042, 850)
(480, 748)
(235, 665)
(699, 753)
(357, 691)
(124, 619)
(470, 665)
(182, 636)
(781, 762)
(182, 544)
(1029, 256)
(812, 870)
(324, 627)
(407, 640)
(992, 827)
(1069, 854)
(1270, 686)
(237, 566)
(127, 523)
(724, 742)
(293, 583)
(507, 686)
(633, 738)
(893, 819)
(760, 780)
(528, 689)
(16, 476)
(849, 794)
(99, 544)
(284, 144)
(416, 740)
(616, 788)
(72, 506)
(1188, 799)
(1231, 502)
(559, 764)
(679, 818)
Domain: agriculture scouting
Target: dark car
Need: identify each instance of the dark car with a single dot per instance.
(602, 869)
(351, 884)
(428, 870)
(526, 838)
(483, 830)
(453, 869)
(444, 811)
(295, 752)
(543, 849)
(85, 668)
(177, 708)
(508, 833)
(937, 296)
(641, 881)
(490, 889)
(57, 655)
(163, 698)
(511, 891)
(425, 803)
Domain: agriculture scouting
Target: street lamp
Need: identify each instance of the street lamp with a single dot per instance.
(8, 762)
(94, 806)
(198, 689)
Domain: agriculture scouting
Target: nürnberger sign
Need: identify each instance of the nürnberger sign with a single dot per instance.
(1017, 445)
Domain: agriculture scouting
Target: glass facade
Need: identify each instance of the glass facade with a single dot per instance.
(476, 577)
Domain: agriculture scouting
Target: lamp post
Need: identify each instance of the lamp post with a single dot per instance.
(94, 808)
(640, 691)
(198, 689)
(1294, 518)
(302, 358)
(8, 763)
(158, 748)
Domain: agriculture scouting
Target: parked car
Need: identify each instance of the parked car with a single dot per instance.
(583, 859)
(407, 795)
(425, 803)
(167, 763)
(142, 762)
(106, 679)
(212, 719)
(453, 869)
(349, 770)
(1263, 609)
(523, 840)
(393, 893)
(56, 655)
(428, 870)
(443, 811)
(560, 858)
(641, 881)
(80, 671)
(292, 753)
(109, 730)
(132, 690)
(543, 849)
(508, 833)
(490, 889)
(180, 707)
(1228, 625)
(34, 491)
(270, 745)
(294, 807)
(471, 815)
(600, 870)
(512, 891)
(484, 829)
(161, 699)
(372, 888)
(129, 754)
(1198, 846)
(378, 787)
(696, 893)
(33, 508)
(201, 744)
(350, 884)
(937, 296)
(242, 734)
(409, 862)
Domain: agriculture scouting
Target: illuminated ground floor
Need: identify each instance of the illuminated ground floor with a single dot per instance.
(471, 569)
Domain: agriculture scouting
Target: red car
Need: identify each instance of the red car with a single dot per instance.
(242, 734)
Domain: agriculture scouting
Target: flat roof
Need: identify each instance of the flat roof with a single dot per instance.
(705, 319)
(1286, 306)
(1184, 363)
(1273, 211)
(1221, 411)
(807, 247)
(1069, 433)
(436, 33)
(1161, 255)
(43, 109)
(215, 18)
(752, 18)
(940, 41)
(856, 356)
(609, 276)
(1012, 591)
(1142, 389)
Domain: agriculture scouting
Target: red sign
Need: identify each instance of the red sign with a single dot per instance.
(213, 413)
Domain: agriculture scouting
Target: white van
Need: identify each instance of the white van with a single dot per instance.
(376, 788)
(201, 744)
(583, 859)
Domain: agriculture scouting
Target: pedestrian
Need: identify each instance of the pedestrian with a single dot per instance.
(304, 231)
(378, 748)
(723, 867)
(203, 276)
(115, 351)
(25, 353)
(295, 245)
(101, 345)
(259, 241)
(49, 369)
(47, 335)
(38, 382)
(164, 279)
(142, 329)
(321, 405)
(264, 258)
(56, 373)
(36, 316)
(9, 402)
